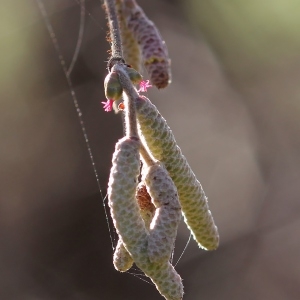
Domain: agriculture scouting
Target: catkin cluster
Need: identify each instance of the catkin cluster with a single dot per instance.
(147, 203)
(146, 215)
(134, 237)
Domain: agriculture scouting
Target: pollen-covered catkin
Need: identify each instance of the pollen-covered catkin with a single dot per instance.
(129, 224)
(163, 228)
(162, 145)
(131, 49)
(153, 48)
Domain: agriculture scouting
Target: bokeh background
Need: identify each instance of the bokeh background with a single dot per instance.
(234, 107)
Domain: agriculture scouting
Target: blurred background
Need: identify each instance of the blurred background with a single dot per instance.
(234, 108)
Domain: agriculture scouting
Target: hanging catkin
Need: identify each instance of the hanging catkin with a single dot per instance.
(162, 145)
(161, 216)
(128, 222)
(122, 259)
(163, 228)
(131, 49)
(154, 51)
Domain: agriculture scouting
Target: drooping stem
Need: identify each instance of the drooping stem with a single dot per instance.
(117, 62)
(114, 29)
(131, 93)
(148, 160)
(131, 96)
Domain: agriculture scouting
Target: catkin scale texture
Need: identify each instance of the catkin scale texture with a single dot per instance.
(131, 49)
(162, 145)
(128, 222)
(153, 49)
(163, 228)
(164, 276)
(122, 259)
(122, 186)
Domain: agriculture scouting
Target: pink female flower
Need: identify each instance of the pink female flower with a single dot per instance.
(144, 85)
(108, 105)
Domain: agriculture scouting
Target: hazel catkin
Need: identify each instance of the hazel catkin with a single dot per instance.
(161, 143)
(129, 223)
(131, 49)
(163, 228)
(122, 259)
(154, 51)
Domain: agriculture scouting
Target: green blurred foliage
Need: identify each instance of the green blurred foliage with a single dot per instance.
(17, 42)
(260, 32)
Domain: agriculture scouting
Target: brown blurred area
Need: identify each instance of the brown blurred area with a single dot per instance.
(234, 108)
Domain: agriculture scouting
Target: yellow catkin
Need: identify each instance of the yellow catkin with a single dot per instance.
(131, 49)
(153, 48)
(128, 222)
(162, 145)
(163, 228)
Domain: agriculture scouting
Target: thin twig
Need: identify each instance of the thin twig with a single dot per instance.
(117, 63)
(115, 36)
(132, 95)
(148, 160)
